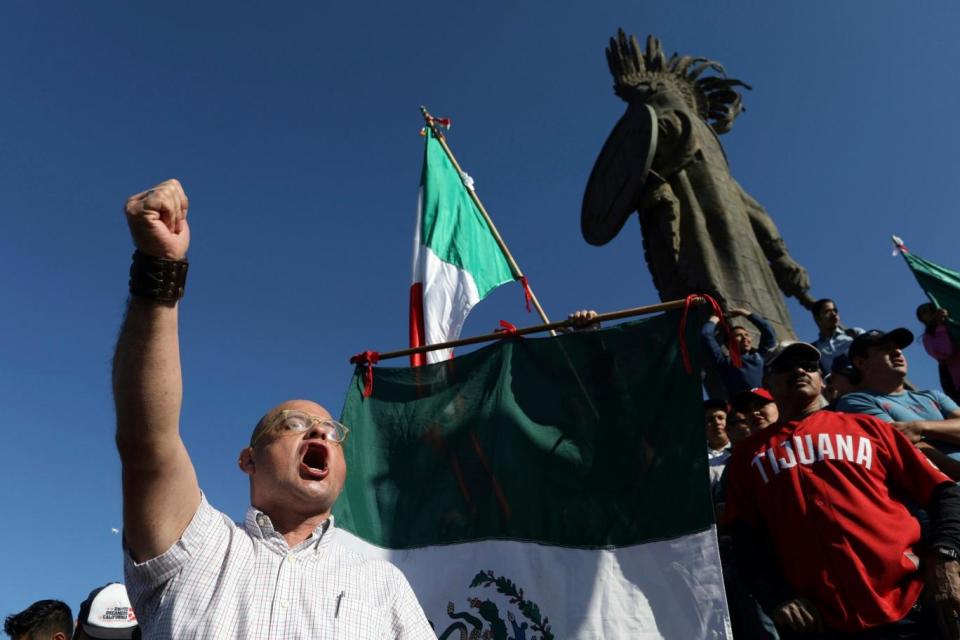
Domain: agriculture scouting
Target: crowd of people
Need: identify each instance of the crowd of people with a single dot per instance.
(834, 480)
(105, 614)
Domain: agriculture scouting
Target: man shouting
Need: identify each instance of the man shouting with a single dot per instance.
(190, 571)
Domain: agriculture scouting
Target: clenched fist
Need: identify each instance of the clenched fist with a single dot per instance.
(158, 221)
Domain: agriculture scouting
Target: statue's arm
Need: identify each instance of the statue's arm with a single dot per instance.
(790, 275)
(765, 231)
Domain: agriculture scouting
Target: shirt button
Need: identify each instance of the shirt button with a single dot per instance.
(819, 503)
(290, 559)
(284, 604)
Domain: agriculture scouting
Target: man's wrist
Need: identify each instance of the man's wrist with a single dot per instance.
(157, 279)
(944, 553)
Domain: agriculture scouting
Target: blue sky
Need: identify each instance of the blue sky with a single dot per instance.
(294, 130)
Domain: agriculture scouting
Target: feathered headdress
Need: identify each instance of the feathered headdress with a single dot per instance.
(713, 97)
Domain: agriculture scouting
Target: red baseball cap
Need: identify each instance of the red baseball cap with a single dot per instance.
(744, 397)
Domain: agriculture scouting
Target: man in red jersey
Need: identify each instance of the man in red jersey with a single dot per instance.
(822, 492)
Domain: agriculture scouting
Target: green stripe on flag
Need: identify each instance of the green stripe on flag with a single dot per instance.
(941, 285)
(452, 225)
(504, 443)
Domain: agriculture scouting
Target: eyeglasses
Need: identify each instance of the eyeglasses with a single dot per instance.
(808, 365)
(291, 421)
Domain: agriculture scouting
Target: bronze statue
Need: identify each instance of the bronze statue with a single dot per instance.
(702, 233)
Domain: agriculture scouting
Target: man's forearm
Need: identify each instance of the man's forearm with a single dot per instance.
(147, 383)
(944, 509)
(946, 430)
(944, 462)
(768, 335)
(714, 352)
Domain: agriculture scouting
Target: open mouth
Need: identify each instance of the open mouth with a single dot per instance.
(313, 462)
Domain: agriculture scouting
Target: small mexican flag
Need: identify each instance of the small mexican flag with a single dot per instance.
(942, 285)
(524, 501)
(456, 260)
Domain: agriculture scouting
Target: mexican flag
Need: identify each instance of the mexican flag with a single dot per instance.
(941, 285)
(523, 501)
(456, 260)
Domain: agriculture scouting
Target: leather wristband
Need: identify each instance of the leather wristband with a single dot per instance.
(157, 278)
(946, 553)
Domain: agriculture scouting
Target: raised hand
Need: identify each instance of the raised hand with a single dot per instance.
(583, 319)
(157, 219)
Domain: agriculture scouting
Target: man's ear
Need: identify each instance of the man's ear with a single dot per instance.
(857, 362)
(246, 461)
(59, 635)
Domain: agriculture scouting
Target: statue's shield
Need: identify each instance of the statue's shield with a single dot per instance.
(618, 175)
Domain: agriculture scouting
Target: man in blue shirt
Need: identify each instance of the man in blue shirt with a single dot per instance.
(833, 340)
(750, 375)
(929, 419)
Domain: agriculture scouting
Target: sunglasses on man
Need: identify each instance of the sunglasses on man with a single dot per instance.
(790, 365)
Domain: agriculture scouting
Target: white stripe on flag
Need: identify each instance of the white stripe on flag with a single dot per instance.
(671, 589)
(449, 294)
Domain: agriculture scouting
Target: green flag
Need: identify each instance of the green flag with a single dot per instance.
(523, 500)
(456, 258)
(941, 285)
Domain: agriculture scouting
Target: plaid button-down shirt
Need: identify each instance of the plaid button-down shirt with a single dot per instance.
(226, 580)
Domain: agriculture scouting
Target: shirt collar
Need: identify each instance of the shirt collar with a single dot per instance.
(258, 525)
(725, 447)
(821, 338)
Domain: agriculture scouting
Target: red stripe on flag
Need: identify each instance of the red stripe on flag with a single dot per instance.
(417, 335)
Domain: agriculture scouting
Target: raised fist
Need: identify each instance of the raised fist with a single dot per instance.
(158, 221)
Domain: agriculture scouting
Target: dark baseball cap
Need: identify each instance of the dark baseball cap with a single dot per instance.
(842, 365)
(901, 337)
(791, 349)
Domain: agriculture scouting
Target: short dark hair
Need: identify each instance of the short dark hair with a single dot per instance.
(819, 305)
(715, 404)
(928, 307)
(43, 616)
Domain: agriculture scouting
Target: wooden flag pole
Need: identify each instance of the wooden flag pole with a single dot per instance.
(549, 326)
(514, 267)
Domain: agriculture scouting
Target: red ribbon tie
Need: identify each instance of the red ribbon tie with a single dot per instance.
(717, 311)
(507, 329)
(527, 296)
(366, 359)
